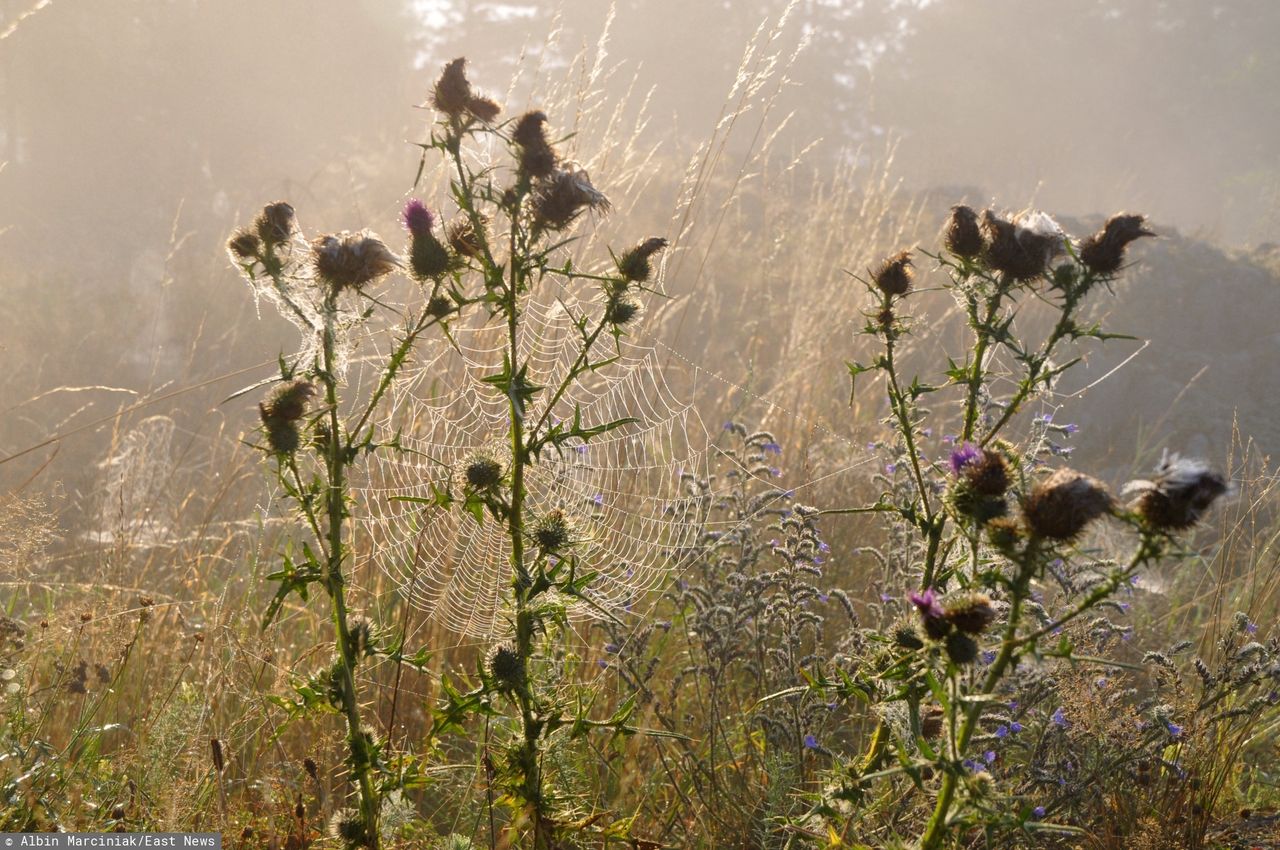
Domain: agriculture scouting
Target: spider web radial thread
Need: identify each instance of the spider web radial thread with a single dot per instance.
(627, 490)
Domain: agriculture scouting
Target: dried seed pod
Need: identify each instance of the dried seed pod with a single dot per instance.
(1061, 506)
(894, 275)
(1103, 252)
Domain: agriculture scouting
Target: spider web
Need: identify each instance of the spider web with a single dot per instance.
(627, 492)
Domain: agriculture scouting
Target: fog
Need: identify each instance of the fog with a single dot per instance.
(135, 134)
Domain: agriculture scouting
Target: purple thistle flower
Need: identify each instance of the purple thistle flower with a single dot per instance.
(926, 603)
(963, 455)
(418, 220)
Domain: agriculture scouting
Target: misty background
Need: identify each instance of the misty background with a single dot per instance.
(136, 134)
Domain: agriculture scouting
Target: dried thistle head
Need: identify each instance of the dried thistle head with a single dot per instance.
(538, 159)
(1064, 504)
(1103, 252)
(287, 402)
(506, 667)
(244, 245)
(483, 471)
(962, 235)
(347, 826)
(555, 531)
(362, 636)
(275, 224)
(453, 95)
(452, 91)
(1021, 248)
(351, 260)
(636, 265)
(1180, 493)
(961, 648)
(464, 238)
(893, 276)
(567, 193)
(621, 309)
(969, 611)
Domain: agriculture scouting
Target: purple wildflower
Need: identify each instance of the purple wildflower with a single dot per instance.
(1037, 812)
(1058, 718)
(963, 455)
(810, 742)
(926, 602)
(418, 220)
(772, 447)
(1015, 727)
(1002, 731)
(1173, 728)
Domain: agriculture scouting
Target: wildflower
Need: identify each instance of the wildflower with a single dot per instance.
(1002, 731)
(553, 531)
(1061, 506)
(347, 826)
(361, 631)
(1103, 252)
(482, 472)
(907, 636)
(970, 612)
(962, 236)
(537, 158)
(961, 648)
(964, 455)
(351, 260)
(1021, 249)
(1172, 728)
(1038, 812)
(1015, 727)
(465, 238)
(453, 96)
(287, 402)
(427, 257)
(635, 265)
(564, 196)
(621, 309)
(507, 668)
(244, 245)
(275, 224)
(894, 275)
(1182, 490)
(810, 742)
(1059, 718)
(932, 615)
(440, 306)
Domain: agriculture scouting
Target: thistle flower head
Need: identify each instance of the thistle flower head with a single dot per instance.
(906, 634)
(565, 195)
(893, 276)
(537, 158)
(464, 238)
(1103, 252)
(962, 236)
(482, 471)
(244, 245)
(454, 97)
(506, 667)
(961, 648)
(275, 224)
(1180, 493)
(1061, 506)
(347, 826)
(932, 615)
(635, 265)
(418, 220)
(969, 611)
(554, 531)
(452, 91)
(621, 309)
(964, 455)
(361, 631)
(351, 260)
(1021, 248)
(287, 402)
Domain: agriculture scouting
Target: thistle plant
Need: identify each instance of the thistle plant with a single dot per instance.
(986, 524)
(511, 234)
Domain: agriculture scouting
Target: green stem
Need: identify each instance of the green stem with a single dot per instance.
(335, 585)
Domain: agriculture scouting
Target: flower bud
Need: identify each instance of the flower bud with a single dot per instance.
(1061, 506)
